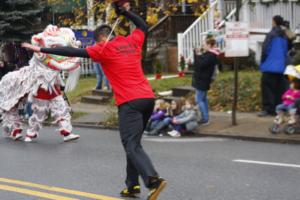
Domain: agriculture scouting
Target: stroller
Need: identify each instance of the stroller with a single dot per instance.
(289, 124)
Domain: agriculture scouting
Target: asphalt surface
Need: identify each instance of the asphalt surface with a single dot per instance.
(196, 168)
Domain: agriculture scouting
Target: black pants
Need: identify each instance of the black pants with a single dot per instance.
(133, 118)
(273, 87)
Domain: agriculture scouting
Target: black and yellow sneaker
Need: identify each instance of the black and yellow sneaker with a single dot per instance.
(132, 192)
(157, 186)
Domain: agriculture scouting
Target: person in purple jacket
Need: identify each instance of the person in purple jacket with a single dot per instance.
(158, 115)
(288, 105)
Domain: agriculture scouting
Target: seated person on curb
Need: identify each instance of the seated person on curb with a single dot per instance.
(172, 110)
(158, 115)
(186, 121)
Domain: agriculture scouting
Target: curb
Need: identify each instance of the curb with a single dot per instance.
(86, 125)
(94, 126)
(197, 135)
(251, 138)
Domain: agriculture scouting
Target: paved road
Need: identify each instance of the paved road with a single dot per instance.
(197, 168)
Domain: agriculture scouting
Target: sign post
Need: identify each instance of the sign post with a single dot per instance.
(237, 45)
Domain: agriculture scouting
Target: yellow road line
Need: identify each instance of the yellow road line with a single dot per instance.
(34, 193)
(57, 189)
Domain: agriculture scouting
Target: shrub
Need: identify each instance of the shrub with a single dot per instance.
(221, 93)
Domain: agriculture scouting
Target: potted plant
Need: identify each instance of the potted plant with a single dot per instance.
(182, 66)
(158, 69)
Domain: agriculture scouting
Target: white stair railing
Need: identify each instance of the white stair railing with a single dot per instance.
(194, 36)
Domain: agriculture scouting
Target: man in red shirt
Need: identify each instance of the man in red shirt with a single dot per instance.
(121, 60)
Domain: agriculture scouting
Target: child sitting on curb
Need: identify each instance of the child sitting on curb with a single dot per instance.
(172, 110)
(157, 116)
(186, 121)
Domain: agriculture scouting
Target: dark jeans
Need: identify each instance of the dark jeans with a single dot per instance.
(133, 118)
(178, 127)
(273, 87)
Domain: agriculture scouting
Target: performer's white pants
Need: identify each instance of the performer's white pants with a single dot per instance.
(60, 112)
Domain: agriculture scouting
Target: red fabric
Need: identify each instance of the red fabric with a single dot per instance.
(46, 95)
(64, 133)
(32, 136)
(121, 63)
(16, 131)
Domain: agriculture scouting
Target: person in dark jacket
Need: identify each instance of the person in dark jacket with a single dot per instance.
(273, 63)
(204, 69)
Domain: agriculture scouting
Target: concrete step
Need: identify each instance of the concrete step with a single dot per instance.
(104, 93)
(182, 91)
(94, 99)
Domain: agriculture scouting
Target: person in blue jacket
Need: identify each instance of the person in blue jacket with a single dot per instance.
(273, 63)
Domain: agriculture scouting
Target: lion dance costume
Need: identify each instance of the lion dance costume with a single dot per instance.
(41, 81)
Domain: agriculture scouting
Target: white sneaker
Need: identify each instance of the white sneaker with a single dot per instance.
(278, 120)
(71, 137)
(17, 137)
(30, 138)
(292, 121)
(16, 134)
(174, 133)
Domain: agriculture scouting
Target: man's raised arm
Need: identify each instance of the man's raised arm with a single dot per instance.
(63, 51)
(137, 20)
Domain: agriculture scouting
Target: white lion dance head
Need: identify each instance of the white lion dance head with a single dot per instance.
(54, 36)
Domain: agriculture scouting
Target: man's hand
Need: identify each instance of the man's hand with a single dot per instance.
(174, 121)
(121, 6)
(126, 6)
(31, 47)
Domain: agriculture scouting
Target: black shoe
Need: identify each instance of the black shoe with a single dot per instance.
(263, 114)
(204, 122)
(132, 192)
(157, 186)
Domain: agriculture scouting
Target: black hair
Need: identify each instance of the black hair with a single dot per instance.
(296, 83)
(278, 20)
(102, 30)
(211, 41)
(286, 24)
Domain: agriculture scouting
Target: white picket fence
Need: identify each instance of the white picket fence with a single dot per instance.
(87, 67)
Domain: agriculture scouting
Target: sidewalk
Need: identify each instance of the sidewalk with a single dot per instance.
(250, 127)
